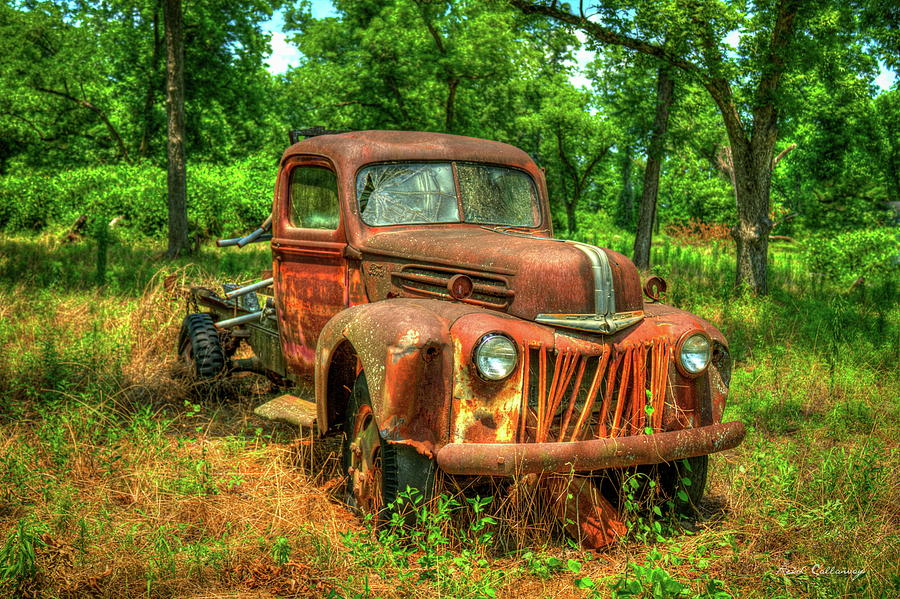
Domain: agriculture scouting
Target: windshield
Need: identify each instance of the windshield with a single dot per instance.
(418, 193)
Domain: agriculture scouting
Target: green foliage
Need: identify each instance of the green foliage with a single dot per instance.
(470, 74)
(542, 565)
(873, 254)
(222, 200)
(434, 549)
(281, 551)
(83, 83)
(17, 556)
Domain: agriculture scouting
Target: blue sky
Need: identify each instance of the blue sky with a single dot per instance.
(284, 55)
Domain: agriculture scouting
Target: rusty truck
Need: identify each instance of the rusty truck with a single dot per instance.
(419, 306)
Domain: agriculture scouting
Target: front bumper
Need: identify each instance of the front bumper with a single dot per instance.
(507, 459)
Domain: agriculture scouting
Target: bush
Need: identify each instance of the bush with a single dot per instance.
(695, 232)
(228, 199)
(843, 257)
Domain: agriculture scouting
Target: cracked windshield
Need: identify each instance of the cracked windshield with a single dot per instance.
(394, 194)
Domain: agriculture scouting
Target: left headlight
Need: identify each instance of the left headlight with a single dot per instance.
(495, 356)
(696, 351)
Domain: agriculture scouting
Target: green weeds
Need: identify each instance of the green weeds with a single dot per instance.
(105, 457)
(431, 551)
(18, 554)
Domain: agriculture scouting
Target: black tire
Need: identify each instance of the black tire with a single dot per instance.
(668, 478)
(199, 345)
(672, 479)
(379, 472)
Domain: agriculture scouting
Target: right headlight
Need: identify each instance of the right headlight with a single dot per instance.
(695, 353)
(495, 356)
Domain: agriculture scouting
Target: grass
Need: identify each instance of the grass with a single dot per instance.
(119, 479)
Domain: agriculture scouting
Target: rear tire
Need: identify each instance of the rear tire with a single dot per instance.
(199, 345)
(378, 472)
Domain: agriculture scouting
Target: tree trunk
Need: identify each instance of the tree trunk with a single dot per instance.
(150, 97)
(177, 185)
(893, 169)
(752, 164)
(665, 94)
(571, 220)
(625, 210)
(452, 86)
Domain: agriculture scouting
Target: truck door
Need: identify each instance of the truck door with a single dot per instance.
(309, 266)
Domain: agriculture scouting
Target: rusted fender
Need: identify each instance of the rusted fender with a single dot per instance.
(713, 385)
(405, 350)
(507, 459)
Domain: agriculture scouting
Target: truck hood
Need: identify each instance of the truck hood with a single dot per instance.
(557, 282)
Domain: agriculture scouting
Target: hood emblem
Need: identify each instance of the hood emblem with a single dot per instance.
(605, 318)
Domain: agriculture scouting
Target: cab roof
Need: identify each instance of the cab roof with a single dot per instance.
(354, 149)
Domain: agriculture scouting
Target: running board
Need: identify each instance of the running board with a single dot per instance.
(290, 409)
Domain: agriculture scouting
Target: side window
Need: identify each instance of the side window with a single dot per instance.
(314, 198)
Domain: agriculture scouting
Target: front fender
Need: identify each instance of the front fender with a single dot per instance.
(712, 386)
(404, 348)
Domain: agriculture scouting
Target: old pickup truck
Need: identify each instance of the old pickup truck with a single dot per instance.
(419, 305)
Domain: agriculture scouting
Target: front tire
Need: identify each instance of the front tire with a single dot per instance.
(669, 485)
(378, 472)
(200, 347)
(672, 479)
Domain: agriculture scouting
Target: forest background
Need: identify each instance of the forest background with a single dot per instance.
(83, 121)
(119, 479)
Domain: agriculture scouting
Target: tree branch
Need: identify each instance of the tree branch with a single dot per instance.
(604, 35)
(435, 35)
(719, 87)
(765, 114)
(112, 130)
(783, 153)
(564, 158)
(30, 124)
(590, 167)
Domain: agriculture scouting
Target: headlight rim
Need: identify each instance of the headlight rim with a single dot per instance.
(679, 346)
(478, 344)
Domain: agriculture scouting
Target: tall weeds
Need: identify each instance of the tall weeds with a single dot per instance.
(119, 479)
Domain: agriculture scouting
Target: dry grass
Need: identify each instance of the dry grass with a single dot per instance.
(137, 483)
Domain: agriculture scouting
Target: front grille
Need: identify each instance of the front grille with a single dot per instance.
(573, 396)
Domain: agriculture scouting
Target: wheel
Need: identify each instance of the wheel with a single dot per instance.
(672, 476)
(667, 478)
(199, 345)
(377, 471)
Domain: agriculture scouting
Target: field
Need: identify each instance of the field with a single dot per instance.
(120, 479)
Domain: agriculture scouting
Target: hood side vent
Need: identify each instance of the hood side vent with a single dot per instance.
(432, 281)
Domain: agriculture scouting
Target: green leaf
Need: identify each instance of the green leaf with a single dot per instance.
(584, 583)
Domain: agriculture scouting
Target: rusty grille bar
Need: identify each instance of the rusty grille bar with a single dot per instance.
(575, 397)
